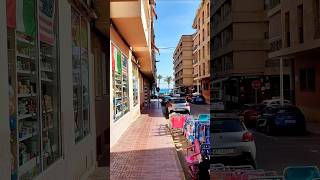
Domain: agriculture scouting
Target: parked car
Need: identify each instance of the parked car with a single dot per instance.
(199, 99)
(232, 141)
(165, 100)
(281, 118)
(251, 112)
(275, 102)
(178, 104)
(189, 97)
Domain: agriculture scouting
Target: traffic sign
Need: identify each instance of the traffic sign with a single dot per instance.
(256, 84)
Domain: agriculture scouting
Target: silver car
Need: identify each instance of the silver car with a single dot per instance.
(231, 141)
(178, 104)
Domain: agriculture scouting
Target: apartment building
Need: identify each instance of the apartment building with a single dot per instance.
(132, 58)
(238, 51)
(182, 63)
(201, 50)
(295, 35)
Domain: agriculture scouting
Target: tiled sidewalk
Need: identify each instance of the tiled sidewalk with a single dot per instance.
(146, 150)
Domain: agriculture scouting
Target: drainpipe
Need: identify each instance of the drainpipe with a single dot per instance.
(281, 81)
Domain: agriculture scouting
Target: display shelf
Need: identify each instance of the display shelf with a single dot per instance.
(46, 55)
(46, 70)
(30, 135)
(29, 165)
(19, 71)
(25, 116)
(25, 56)
(46, 80)
(48, 128)
(48, 111)
(24, 40)
(26, 95)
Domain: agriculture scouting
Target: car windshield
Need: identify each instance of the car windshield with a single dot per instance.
(176, 101)
(226, 125)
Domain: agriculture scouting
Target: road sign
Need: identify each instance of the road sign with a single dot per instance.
(256, 84)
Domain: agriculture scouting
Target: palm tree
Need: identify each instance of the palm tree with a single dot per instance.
(159, 78)
(168, 80)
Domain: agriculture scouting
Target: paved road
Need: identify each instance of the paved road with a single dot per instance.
(277, 152)
(199, 109)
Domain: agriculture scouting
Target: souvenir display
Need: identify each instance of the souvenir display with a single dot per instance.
(120, 83)
(33, 81)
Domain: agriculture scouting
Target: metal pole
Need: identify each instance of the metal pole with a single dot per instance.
(281, 81)
(256, 92)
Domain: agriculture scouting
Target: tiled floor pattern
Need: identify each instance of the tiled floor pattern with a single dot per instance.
(146, 150)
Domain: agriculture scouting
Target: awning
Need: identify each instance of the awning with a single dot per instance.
(155, 47)
(154, 12)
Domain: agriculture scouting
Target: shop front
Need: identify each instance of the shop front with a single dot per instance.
(240, 90)
(49, 124)
(127, 87)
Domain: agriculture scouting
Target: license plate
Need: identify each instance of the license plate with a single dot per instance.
(290, 121)
(223, 151)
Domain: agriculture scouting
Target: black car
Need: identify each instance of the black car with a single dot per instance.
(198, 100)
(275, 119)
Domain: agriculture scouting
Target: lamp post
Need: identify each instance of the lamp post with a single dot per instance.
(281, 82)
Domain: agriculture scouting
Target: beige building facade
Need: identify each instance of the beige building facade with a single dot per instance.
(239, 51)
(201, 50)
(295, 35)
(182, 62)
(132, 55)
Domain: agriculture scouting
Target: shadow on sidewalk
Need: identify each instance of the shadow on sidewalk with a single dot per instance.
(161, 163)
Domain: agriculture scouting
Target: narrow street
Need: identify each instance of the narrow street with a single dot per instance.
(277, 152)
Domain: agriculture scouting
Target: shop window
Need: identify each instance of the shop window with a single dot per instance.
(120, 83)
(135, 84)
(307, 79)
(80, 72)
(34, 107)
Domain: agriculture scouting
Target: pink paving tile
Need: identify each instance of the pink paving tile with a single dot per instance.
(146, 150)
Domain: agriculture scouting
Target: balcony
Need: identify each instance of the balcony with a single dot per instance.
(240, 45)
(132, 19)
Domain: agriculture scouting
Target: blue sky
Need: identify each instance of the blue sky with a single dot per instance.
(175, 18)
